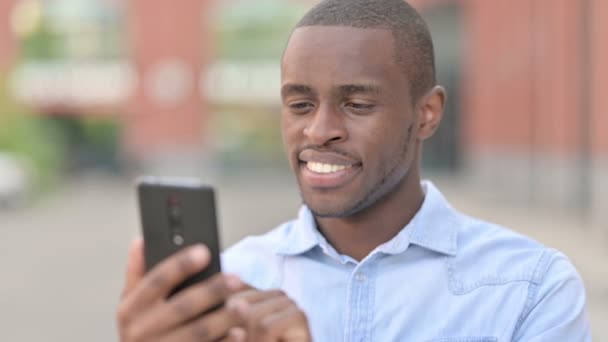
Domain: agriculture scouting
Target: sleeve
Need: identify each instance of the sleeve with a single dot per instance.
(556, 309)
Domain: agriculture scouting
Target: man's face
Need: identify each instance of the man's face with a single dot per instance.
(347, 117)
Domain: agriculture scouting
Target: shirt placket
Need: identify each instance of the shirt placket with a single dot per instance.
(360, 303)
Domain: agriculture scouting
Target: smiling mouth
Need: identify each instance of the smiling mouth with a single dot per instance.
(322, 168)
(318, 175)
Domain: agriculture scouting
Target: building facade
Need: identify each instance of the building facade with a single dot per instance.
(528, 81)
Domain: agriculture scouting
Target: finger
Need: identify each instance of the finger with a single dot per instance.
(252, 296)
(189, 303)
(236, 334)
(289, 324)
(254, 313)
(211, 327)
(135, 266)
(158, 283)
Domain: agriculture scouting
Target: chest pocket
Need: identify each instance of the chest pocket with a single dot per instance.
(464, 339)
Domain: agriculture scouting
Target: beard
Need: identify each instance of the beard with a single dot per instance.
(388, 183)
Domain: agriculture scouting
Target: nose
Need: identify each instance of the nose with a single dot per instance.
(326, 126)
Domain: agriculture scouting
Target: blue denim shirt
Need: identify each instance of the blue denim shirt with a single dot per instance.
(445, 277)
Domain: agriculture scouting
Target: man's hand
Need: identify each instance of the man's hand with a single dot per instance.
(146, 314)
(268, 316)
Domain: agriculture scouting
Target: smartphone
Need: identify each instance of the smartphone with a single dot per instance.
(177, 213)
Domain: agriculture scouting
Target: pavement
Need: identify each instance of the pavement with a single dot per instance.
(62, 259)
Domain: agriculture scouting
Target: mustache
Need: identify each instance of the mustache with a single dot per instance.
(326, 149)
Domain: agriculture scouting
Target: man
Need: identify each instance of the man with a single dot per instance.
(375, 254)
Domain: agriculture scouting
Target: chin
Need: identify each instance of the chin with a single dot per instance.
(327, 212)
(332, 208)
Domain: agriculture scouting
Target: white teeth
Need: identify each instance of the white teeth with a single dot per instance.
(325, 168)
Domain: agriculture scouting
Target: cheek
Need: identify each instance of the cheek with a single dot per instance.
(384, 145)
(370, 134)
(291, 130)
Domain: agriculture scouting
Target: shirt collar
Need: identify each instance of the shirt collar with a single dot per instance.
(302, 236)
(434, 227)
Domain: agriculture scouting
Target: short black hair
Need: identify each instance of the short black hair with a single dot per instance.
(413, 43)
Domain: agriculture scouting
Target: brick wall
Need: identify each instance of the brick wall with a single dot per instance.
(535, 112)
(169, 49)
(7, 41)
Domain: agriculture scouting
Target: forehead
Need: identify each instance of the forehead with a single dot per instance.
(340, 54)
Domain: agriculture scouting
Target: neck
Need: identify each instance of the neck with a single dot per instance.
(358, 235)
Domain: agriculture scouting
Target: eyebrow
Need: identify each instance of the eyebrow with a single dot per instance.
(344, 90)
(349, 89)
(297, 89)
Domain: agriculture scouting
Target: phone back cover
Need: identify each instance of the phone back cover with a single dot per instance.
(198, 224)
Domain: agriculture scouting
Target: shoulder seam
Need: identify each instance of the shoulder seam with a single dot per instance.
(539, 273)
(458, 288)
(535, 277)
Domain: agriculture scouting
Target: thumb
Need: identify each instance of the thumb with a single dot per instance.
(135, 266)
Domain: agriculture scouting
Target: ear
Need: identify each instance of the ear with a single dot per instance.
(430, 112)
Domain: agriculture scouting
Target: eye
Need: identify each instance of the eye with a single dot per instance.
(359, 105)
(301, 107)
(359, 108)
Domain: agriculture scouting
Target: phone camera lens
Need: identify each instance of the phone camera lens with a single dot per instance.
(178, 240)
(174, 210)
(174, 213)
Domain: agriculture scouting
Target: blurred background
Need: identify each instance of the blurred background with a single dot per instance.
(96, 92)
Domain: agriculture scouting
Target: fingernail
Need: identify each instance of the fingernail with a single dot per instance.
(238, 334)
(233, 282)
(198, 254)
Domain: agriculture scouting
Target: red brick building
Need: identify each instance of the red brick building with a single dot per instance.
(529, 111)
(170, 47)
(7, 40)
(533, 111)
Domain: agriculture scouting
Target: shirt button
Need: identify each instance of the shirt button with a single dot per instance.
(360, 277)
